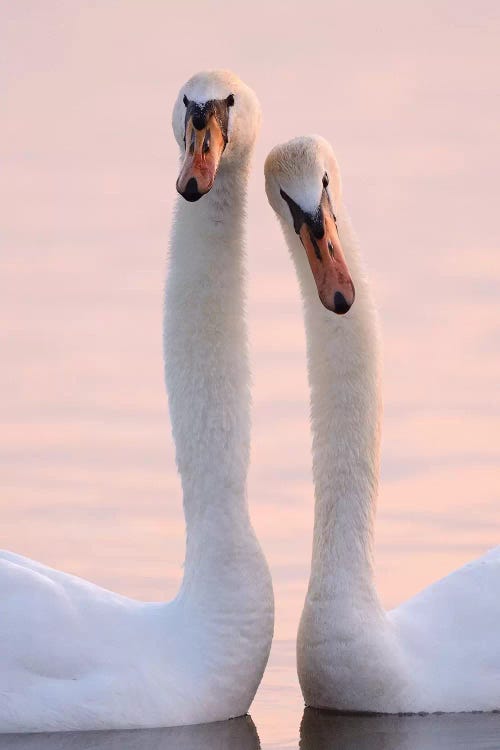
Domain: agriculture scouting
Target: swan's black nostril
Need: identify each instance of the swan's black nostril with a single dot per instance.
(191, 192)
(340, 304)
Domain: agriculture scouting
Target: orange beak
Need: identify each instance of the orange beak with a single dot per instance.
(322, 244)
(204, 149)
(320, 239)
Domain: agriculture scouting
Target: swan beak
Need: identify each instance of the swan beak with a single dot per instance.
(320, 238)
(204, 147)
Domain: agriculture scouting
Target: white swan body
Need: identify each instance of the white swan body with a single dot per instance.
(74, 656)
(440, 651)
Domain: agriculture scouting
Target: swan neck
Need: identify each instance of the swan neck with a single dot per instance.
(344, 377)
(206, 358)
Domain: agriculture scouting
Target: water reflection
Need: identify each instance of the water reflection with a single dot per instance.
(237, 734)
(321, 730)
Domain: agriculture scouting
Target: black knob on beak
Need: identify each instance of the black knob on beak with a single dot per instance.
(340, 304)
(191, 192)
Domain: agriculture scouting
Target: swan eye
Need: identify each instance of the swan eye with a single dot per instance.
(326, 180)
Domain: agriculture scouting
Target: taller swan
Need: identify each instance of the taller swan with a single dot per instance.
(440, 651)
(74, 656)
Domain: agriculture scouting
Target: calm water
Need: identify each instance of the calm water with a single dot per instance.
(318, 731)
(406, 95)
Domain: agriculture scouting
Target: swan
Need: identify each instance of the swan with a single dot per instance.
(74, 656)
(439, 651)
(222, 735)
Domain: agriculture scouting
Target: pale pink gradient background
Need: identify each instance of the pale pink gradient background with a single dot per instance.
(408, 95)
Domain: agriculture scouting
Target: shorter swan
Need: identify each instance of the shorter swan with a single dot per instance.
(440, 651)
(74, 656)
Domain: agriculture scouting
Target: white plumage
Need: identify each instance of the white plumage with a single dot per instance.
(440, 651)
(74, 656)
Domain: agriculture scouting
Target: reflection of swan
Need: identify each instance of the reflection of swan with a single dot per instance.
(440, 650)
(321, 730)
(74, 656)
(237, 734)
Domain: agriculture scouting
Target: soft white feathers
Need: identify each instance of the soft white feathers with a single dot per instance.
(244, 118)
(441, 650)
(74, 656)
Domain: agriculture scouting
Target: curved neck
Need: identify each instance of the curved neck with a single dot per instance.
(344, 378)
(206, 363)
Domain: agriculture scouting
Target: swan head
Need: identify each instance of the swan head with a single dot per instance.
(303, 187)
(216, 119)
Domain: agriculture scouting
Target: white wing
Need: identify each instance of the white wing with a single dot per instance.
(451, 634)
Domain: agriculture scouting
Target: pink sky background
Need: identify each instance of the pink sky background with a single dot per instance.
(408, 95)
